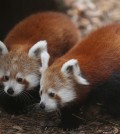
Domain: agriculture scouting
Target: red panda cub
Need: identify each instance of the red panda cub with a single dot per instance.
(22, 50)
(65, 85)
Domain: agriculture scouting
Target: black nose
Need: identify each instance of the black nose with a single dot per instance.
(10, 91)
(42, 105)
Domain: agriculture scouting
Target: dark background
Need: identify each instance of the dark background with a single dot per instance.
(12, 11)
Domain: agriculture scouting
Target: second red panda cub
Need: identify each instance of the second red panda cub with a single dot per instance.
(20, 55)
(66, 83)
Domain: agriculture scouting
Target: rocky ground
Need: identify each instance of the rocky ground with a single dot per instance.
(88, 15)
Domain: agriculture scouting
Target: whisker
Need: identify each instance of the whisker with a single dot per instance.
(18, 99)
(23, 98)
(2, 92)
(27, 98)
(29, 95)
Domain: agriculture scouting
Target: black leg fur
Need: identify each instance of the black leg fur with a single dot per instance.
(69, 118)
(108, 94)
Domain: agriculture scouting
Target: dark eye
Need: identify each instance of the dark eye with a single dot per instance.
(19, 80)
(51, 94)
(6, 78)
(40, 92)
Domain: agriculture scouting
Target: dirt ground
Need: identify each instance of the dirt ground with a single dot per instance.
(88, 15)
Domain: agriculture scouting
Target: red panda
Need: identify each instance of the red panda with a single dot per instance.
(21, 52)
(65, 84)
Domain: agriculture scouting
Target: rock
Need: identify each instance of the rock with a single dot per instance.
(17, 128)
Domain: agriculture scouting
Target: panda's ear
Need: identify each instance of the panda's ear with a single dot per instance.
(39, 50)
(72, 67)
(3, 49)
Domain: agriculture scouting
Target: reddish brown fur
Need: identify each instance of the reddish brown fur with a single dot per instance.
(56, 28)
(98, 56)
(61, 35)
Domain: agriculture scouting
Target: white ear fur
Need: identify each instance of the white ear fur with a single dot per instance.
(3, 48)
(72, 67)
(40, 50)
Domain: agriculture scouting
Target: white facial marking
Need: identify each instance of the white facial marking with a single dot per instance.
(33, 80)
(19, 75)
(3, 48)
(50, 103)
(18, 88)
(66, 95)
(4, 74)
(51, 90)
(76, 71)
(7, 73)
